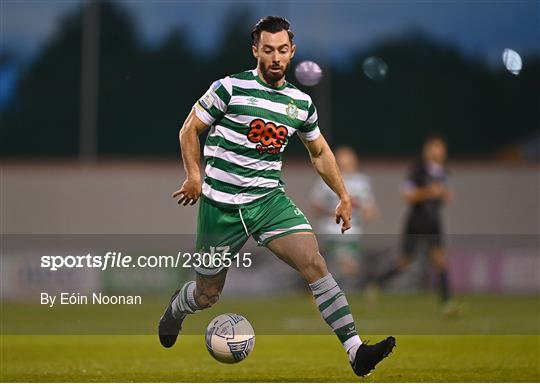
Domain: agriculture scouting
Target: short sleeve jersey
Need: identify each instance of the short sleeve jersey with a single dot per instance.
(250, 126)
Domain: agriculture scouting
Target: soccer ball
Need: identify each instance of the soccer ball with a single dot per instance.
(230, 338)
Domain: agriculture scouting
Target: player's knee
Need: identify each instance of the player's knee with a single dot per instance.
(314, 266)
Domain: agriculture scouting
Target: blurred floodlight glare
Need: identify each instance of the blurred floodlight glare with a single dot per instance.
(375, 68)
(308, 73)
(512, 61)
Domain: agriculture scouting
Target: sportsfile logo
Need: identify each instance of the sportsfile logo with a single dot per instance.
(269, 137)
(217, 257)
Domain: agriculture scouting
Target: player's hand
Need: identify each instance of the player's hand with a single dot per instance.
(189, 193)
(344, 214)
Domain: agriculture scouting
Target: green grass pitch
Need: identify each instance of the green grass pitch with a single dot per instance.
(497, 340)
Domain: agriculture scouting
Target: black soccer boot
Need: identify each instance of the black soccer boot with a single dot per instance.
(368, 356)
(169, 326)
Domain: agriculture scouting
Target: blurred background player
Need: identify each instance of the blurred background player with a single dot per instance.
(426, 191)
(345, 249)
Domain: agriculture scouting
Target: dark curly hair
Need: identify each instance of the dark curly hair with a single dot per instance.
(271, 24)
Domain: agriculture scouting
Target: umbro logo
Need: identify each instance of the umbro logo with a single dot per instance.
(252, 101)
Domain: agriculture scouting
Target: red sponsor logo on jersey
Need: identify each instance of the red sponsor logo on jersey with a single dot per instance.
(269, 137)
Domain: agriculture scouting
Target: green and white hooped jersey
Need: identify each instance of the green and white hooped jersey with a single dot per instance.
(250, 126)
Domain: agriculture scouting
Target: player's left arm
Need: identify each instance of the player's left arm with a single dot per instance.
(324, 162)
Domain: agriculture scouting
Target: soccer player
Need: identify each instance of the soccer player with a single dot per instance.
(251, 116)
(346, 249)
(426, 191)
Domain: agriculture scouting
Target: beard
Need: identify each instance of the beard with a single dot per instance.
(273, 76)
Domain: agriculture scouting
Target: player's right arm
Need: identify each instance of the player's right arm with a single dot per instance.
(209, 108)
(191, 189)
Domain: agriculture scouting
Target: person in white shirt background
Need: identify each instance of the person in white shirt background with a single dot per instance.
(345, 249)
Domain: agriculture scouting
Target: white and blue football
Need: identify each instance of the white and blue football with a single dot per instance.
(230, 338)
